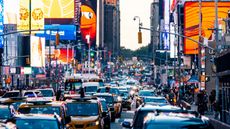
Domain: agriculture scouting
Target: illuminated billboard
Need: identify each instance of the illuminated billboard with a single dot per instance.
(191, 22)
(89, 21)
(37, 51)
(66, 32)
(37, 15)
(11, 9)
(59, 8)
(64, 55)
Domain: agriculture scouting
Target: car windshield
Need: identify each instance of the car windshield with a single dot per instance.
(5, 113)
(29, 94)
(146, 93)
(10, 94)
(108, 99)
(177, 126)
(91, 89)
(36, 124)
(154, 100)
(40, 110)
(82, 109)
(47, 93)
(110, 90)
(72, 86)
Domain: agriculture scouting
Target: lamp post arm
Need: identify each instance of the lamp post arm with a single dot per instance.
(180, 35)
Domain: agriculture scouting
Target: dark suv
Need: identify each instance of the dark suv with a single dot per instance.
(142, 112)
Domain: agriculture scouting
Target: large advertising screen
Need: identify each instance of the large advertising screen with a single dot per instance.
(64, 55)
(37, 15)
(89, 21)
(191, 19)
(37, 51)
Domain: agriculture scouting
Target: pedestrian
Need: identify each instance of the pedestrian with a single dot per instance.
(201, 103)
(216, 108)
(212, 99)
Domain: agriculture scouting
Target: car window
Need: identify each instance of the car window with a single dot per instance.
(47, 93)
(10, 94)
(154, 100)
(146, 93)
(40, 110)
(108, 99)
(82, 109)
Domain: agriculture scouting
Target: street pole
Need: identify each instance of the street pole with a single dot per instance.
(217, 45)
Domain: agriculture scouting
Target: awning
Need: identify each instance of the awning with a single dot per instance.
(193, 80)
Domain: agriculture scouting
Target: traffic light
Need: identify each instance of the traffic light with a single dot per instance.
(92, 54)
(27, 60)
(139, 37)
(57, 38)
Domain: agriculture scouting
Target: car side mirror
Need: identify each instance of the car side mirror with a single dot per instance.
(126, 124)
(67, 119)
(104, 114)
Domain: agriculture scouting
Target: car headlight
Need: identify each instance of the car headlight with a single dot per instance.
(93, 124)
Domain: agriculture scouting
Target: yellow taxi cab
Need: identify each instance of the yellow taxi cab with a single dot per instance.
(40, 106)
(14, 101)
(84, 113)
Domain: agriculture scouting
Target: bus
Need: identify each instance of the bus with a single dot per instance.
(73, 84)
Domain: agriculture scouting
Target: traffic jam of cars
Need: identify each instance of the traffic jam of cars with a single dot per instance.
(91, 104)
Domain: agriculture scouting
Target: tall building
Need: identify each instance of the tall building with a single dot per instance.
(112, 26)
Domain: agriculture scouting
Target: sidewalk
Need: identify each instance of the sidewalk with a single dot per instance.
(216, 123)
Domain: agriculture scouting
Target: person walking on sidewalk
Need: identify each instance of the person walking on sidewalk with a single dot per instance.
(212, 99)
(201, 102)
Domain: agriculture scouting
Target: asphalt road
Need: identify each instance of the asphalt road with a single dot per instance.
(126, 115)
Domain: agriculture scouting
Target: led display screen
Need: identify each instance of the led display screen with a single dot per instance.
(191, 25)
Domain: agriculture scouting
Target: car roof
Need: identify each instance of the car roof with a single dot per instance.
(4, 106)
(149, 107)
(102, 94)
(49, 104)
(173, 118)
(155, 97)
(82, 100)
(35, 116)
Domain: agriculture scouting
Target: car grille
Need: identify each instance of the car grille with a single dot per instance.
(79, 126)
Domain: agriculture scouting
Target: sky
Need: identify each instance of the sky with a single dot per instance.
(129, 28)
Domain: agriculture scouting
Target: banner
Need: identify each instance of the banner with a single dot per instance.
(89, 21)
(37, 51)
(37, 15)
(191, 22)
